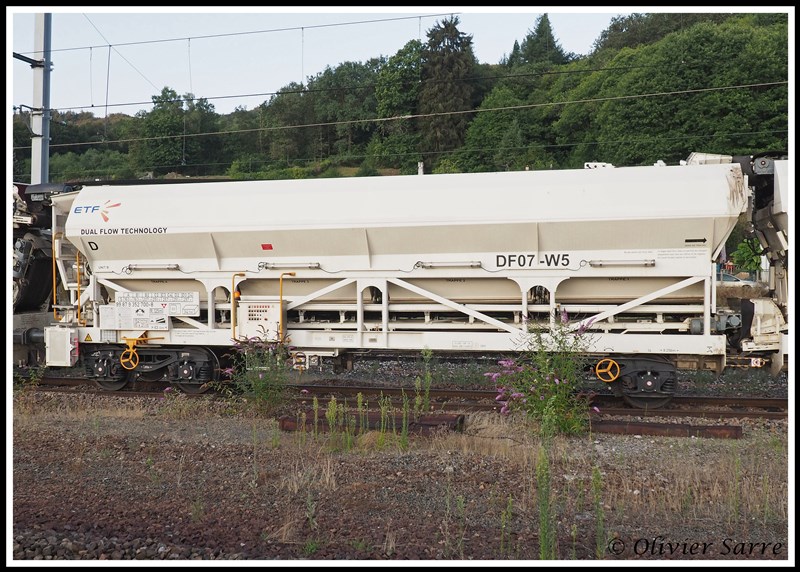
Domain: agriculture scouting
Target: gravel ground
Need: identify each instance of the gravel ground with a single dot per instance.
(104, 477)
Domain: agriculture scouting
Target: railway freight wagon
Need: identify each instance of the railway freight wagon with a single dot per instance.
(158, 281)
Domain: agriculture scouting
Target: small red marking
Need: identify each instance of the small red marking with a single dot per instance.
(105, 217)
(266, 246)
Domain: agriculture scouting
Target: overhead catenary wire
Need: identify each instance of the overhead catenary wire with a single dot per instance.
(306, 90)
(428, 115)
(230, 34)
(112, 46)
(715, 135)
(211, 36)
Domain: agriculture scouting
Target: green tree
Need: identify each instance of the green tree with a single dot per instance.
(395, 143)
(201, 154)
(243, 140)
(514, 58)
(284, 113)
(487, 134)
(728, 120)
(540, 46)
(160, 148)
(448, 64)
(638, 29)
(344, 97)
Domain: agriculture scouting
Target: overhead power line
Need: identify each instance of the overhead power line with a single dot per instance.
(268, 31)
(427, 115)
(365, 86)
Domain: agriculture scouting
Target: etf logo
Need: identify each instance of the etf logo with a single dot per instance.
(94, 208)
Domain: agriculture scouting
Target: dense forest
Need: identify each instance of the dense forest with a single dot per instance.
(654, 86)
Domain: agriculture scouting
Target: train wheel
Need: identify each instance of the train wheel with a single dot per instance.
(112, 384)
(111, 376)
(193, 388)
(646, 401)
(647, 382)
(198, 375)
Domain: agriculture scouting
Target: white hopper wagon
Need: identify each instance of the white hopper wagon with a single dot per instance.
(164, 278)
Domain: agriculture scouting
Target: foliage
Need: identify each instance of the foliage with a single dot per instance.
(397, 83)
(541, 46)
(29, 377)
(259, 371)
(656, 86)
(343, 101)
(543, 381)
(422, 385)
(103, 164)
(747, 256)
(599, 515)
(445, 166)
(637, 29)
(448, 63)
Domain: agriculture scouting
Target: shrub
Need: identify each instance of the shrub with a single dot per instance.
(543, 381)
(259, 371)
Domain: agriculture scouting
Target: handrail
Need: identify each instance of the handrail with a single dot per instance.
(234, 297)
(81, 321)
(280, 305)
(56, 237)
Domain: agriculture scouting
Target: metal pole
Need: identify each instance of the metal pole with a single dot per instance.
(280, 305)
(40, 114)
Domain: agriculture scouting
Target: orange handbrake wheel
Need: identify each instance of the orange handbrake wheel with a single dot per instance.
(607, 370)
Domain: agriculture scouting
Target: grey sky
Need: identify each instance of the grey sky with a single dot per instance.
(289, 47)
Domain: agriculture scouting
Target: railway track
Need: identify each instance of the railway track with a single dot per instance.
(466, 400)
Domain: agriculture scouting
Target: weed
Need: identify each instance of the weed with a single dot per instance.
(180, 468)
(573, 532)
(362, 413)
(260, 371)
(315, 407)
(330, 415)
(547, 547)
(311, 509)
(543, 382)
(505, 521)
(422, 386)
(735, 499)
(197, 510)
(599, 517)
(390, 541)
(29, 377)
(385, 405)
(310, 547)
(404, 429)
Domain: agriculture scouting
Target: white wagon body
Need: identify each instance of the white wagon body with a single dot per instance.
(461, 262)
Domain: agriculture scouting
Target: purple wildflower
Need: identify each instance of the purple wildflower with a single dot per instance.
(585, 326)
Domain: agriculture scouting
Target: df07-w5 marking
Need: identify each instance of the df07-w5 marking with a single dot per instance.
(529, 260)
